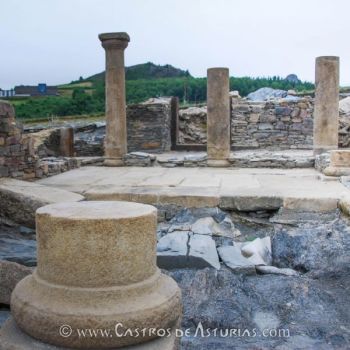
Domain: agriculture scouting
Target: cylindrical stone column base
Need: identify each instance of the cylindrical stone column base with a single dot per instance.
(326, 110)
(96, 270)
(218, 117)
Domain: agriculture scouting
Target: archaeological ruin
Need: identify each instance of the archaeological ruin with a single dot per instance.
(218, 226)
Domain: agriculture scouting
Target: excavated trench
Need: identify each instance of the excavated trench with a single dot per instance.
(242, 308)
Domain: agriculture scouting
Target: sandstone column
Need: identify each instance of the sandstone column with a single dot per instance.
(326, 112)
(218, 116)
(96, 270)
(67, 142)
(116, 138)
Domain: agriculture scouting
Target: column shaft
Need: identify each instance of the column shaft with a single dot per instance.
(218, 116)
(116, 132)
(326, 110)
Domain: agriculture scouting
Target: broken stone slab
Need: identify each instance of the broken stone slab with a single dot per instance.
(276, 271)
(233, 258)
(181, 249)
(202, 252)
(208, 226)
(258, 250)
(24, 198)
(172, 250)
(10, 274)
(139, 159)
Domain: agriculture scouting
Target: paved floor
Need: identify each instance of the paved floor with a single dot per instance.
(233, 188)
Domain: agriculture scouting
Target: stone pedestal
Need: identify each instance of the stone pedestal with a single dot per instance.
(96, 270)
(326, 110)
(218, 116)
(116, 137)
(340, 163)
(67, 142)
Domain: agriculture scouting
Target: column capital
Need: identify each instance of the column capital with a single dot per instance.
(117, 40)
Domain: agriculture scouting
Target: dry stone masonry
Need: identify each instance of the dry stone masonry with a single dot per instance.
(279, 124)
(17, 158)
(149, 126)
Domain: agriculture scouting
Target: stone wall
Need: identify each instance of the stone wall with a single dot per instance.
(148, 130)
(149, 126)
(272, 125)
(17, 158)
(28, 156)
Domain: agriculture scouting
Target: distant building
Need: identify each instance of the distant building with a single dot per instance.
(7, 93)
(39, 90)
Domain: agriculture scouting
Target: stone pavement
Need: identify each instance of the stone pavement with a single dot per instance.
(228, 188)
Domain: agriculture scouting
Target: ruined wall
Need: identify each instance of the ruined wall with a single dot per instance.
(149, 125)
(28, 156)
(282, 125)
(17, 158)
(269, 125)
(148, 130)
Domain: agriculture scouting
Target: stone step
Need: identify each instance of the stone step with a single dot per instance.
(23, 198)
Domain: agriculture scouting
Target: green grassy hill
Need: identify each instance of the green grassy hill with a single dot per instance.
(87, 96)
(146, 71)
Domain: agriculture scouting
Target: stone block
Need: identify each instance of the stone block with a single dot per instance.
(10, 274)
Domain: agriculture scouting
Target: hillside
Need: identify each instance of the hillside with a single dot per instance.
(143, 81)
(147, 70)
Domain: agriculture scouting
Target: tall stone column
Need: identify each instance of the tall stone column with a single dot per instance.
(96, 270)
(116, 138)
(326, 110)
(218, 116)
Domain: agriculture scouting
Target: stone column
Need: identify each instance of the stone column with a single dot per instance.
(326, 110)
(96, 270)
(67, 142)
(218, 116)
(116, 138)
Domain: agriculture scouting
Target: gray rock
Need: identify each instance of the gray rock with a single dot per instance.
(292, 78)
(259, 250)
(222, 299)
(10, 274)
(139, 159)
(321, 248)
(202, 252)
(233, 258)
(4, 315)
(172, 250)
(276, 271)
(17, 248)
(265, 94)
(266, 320)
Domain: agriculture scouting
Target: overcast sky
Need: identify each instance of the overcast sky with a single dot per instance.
(55, 41)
